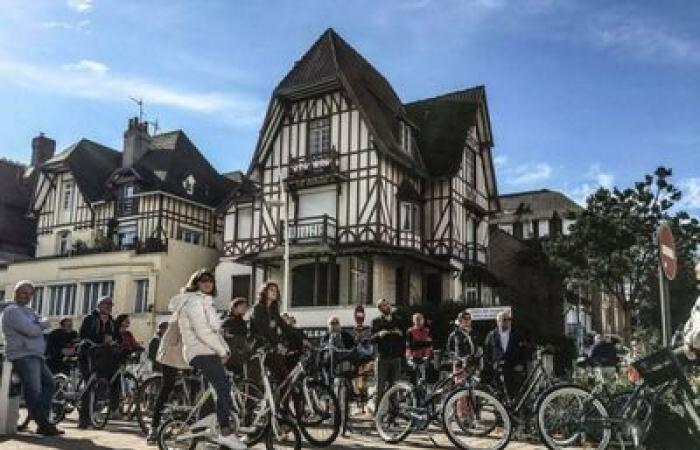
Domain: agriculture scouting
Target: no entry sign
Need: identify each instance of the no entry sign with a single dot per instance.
(667, 251)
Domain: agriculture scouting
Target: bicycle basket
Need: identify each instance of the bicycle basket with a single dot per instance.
(658, 368)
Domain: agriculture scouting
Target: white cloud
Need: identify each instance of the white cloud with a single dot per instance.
(595, 178)
(643, 39)
(51, 24)
(81, 6)
(87, 65)
(691, 193)
(500, 161)
(530, 173)
(93, 80)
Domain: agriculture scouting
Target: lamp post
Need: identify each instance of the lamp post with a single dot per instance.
(283, 202)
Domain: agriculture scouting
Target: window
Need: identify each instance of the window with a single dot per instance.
(471, 292)
(2, 294)
(470, 167)
(94, 290)
(141, 299)
(315, 284)
(319, 136)
(240, 286)
(67, 195)
(127, 236)
(404, 136)
(127, 191)
(409, 216)
(361, 281)
(64, 242)
(188, 184)
(189, 235)
(244, 223)
(62, 300)
(518, 230)
(37, 301)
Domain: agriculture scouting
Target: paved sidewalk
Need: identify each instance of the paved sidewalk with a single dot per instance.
(127, 436)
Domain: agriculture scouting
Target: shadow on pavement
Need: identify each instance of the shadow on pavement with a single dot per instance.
(59, 443)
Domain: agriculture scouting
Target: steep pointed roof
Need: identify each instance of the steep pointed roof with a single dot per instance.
(330, 63)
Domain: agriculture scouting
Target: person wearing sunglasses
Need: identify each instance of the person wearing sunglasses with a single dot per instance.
(506, 348)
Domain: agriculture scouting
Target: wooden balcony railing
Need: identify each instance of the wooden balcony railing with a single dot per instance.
(312, 230)
(323, 163)
(127, 206)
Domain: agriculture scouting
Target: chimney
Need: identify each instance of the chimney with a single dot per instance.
(43, 149)
(136, 140)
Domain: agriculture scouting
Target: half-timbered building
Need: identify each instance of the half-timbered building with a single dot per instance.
(376, 198)
(133, 224)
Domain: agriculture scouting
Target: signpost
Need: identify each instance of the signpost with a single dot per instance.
(668, 267)
(487, 313)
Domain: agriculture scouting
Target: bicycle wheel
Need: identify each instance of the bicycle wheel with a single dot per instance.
(288, 437)
(475, 419)
(57, 410)
(317, 413)
(393, 417)
(569, 417)
(98, 396)
(642, 412)
(128, 403)
(146, 401)
(170, 436)
(253, 412)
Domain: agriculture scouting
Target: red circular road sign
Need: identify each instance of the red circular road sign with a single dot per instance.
(667, 251)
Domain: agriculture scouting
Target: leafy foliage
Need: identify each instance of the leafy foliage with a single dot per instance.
(613, 244)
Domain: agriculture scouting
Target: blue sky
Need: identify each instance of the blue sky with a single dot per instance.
(581, 93)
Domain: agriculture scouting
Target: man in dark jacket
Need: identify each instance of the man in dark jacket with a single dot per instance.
(60, 343)
(506, 348)
(97, 328)
(153, 345)
(391, 345)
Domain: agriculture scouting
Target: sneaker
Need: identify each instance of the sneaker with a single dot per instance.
(231, 441)
(152, 437)
(49, 430)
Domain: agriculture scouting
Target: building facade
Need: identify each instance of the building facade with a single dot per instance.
(133, 224)
(374, 198)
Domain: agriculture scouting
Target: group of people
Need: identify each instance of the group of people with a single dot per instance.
(212, 344)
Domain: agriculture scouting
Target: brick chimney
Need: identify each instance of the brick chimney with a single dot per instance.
(43, 149)
(136, 140)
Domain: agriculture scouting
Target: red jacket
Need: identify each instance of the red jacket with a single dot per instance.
(419, 343)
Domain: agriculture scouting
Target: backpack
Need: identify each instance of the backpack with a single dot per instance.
(170, 351)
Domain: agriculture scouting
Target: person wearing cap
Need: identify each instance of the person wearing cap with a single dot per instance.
(25, 347)
(98, 328)
(391, 345)
(61, 343)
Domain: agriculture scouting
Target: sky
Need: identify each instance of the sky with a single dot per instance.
(581, 93)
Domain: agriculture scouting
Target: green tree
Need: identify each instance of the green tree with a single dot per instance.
(613, 245)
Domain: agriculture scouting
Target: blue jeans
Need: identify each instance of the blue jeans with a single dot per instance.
(37, 386)
(215, 374)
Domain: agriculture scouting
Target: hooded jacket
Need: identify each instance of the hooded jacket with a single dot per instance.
(200, 325)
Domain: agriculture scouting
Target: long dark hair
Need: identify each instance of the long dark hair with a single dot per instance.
(262, 292)
(195, 277)
(121, 318)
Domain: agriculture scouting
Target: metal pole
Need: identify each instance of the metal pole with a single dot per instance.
(665, 307)
(285, 283)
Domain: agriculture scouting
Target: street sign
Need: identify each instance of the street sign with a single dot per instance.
(487, 313)
(667, 251)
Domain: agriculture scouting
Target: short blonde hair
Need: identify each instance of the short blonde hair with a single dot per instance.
(382, 301)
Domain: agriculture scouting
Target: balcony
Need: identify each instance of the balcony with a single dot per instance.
(127, 206)
(313, 169)
(312, 230)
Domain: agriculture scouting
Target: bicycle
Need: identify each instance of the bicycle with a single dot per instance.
(68, 392)
(453, 400)
(99, 390)
(573, 417)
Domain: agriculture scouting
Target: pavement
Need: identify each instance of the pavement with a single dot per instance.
(127, 436)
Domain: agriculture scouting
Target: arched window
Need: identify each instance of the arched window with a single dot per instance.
(315, 284)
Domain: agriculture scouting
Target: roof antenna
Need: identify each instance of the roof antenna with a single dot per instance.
(138, 101)
(156, 127)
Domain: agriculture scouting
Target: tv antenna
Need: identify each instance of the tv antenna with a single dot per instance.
(156, 127)
(139, 102)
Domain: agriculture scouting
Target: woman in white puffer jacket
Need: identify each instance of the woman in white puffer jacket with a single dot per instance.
(204, 346)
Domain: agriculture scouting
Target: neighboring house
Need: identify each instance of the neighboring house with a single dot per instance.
(133, 224)
(535, 216)
(384, 199)
(17, 182)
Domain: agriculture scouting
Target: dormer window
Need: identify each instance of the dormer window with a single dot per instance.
(404, 136)
(319, 136)
(188, 184)
(67, 195)
(409, 216)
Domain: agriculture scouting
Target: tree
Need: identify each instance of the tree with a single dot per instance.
(612, 244)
